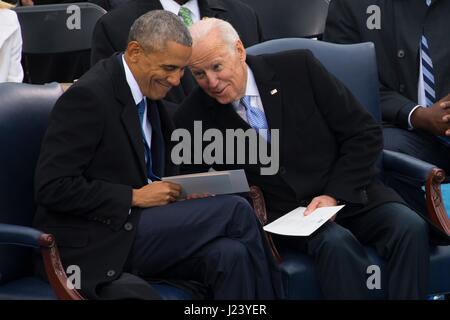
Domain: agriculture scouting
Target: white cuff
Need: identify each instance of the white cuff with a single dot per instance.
(410, 126)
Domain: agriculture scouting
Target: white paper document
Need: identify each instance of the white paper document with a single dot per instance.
(213, 182)
(294, 223)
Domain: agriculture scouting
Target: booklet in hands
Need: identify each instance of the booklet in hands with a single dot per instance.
(295, 223)
(212, 182)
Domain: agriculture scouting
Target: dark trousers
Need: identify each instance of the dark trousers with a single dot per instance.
(397, 233)
(216, 241)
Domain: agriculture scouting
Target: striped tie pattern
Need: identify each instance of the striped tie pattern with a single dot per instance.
(428, 74)
(185, 14)
(256, 118)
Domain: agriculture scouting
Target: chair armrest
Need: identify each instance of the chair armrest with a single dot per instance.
(407, 165)
(435, 203)
(26, 236)
(259, 206)
(20, 235)
(429, 175)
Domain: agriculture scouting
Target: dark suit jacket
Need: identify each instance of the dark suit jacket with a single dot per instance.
(92, 156)
(111, 31)
(397, 46)
(328, 143)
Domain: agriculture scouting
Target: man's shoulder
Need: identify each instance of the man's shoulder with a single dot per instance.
(126, 14)
(232, 5)
(196, 103)
(98, 79)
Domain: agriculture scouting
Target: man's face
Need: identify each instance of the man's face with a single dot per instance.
(220, 71)
(157, 72)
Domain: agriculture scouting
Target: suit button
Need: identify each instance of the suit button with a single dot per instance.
(108, 221)
(128, 226)
(282, 170)
(401, 88)
(110, 273)
(401, 53)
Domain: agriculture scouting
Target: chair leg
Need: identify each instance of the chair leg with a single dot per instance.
(55, 271)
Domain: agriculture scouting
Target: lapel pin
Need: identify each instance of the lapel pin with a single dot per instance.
(272, 92)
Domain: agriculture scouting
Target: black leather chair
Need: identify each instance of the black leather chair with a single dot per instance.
(57, 40)
(291, 18)
(24, 113)
(355, 65)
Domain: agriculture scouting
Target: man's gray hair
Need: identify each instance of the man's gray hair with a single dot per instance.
(224, 29)
(155, 28)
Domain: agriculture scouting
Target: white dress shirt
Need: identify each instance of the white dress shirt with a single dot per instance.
(138, 96)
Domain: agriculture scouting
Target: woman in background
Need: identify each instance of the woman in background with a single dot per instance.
(10, 45)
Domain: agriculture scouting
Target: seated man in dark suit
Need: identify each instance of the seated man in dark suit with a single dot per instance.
(413, 55)
(98, 188)
(110, 34)
(328, 145)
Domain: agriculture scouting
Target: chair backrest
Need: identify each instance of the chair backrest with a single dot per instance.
(291, 18)
(24, 114)
(58, 28)
(353, 64)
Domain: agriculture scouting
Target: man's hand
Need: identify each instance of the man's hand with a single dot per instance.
(435, 119)
(319, 202)
(27, 3)
(155, 194)
(199, 196)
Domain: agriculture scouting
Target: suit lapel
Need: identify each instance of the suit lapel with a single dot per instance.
(226, 116)
(269, 90)
(130, 118)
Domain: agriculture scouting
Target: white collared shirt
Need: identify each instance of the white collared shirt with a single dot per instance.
(174, 7)
(251, 90)
(138, 96)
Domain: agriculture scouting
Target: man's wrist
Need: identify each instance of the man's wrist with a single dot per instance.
(417, 118)
(135, 198)
(410, 120)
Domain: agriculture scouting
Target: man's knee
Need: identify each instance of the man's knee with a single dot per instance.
(332, 239)
(225, 253)
(406, 224)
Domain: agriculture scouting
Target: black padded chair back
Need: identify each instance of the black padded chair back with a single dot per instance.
(24, 114)
(291, 18)
(353, 64)
(58, 28)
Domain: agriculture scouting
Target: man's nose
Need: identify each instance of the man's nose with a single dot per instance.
(174, 78)
(213, 80)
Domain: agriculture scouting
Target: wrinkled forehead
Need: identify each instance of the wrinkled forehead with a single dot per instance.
(208, 51)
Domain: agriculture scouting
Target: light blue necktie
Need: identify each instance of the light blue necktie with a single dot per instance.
(147, 153)
(255, 117)
(428, 74)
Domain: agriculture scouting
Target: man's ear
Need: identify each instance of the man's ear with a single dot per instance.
(133, 51)
(240, 50)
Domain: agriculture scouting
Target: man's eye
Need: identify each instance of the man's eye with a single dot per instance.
(217, 67)
(170, 68)
(198, 74)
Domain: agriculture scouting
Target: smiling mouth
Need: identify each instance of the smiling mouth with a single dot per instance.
(164, 85)
(218, 93)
